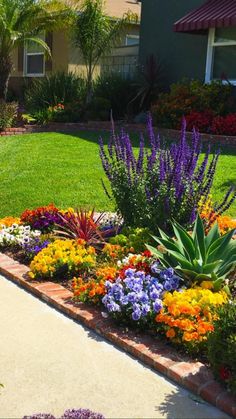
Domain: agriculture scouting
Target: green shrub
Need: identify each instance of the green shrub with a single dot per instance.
(42, 117)
(187, 96)
(222, 346)
(59, 113)
(59, 87)
(8, 114)
(99, 109)
(117, 90)
(132, 238)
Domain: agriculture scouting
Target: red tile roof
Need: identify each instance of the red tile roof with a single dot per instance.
(212, 14)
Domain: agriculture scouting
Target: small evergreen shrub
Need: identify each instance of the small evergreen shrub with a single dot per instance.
(222, 346)
(99, 109)
(8, 114)
(117, 90)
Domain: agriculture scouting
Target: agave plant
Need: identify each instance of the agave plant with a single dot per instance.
(197, 256)
(85, 225)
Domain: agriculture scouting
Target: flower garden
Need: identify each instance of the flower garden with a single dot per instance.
(164, 263)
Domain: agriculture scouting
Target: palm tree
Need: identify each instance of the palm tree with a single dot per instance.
(23, 21)
(96, 34)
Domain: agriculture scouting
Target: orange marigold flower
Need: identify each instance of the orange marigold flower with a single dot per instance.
(170, 333)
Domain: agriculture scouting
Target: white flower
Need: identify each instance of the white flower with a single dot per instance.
(36, 233)
(27, 228)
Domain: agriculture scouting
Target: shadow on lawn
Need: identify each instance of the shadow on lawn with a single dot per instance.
(95, 135)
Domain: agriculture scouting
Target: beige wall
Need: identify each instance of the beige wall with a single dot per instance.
(77, 66)
(60, 51)
(66, 57)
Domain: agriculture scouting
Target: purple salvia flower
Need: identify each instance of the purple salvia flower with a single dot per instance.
(139, 166)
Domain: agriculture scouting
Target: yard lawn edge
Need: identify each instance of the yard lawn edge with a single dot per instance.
(192, 375)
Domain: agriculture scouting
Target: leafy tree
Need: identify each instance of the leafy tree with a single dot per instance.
(96, 34)
(25, 20)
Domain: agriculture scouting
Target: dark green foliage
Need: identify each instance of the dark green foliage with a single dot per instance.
(59, 87)
(222, 346)
(148, 84)
(117, 90)
(8, 114)
(99, 109)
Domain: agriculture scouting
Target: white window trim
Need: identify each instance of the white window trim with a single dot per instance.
(26, 54)
(210, 55)
(133, 37)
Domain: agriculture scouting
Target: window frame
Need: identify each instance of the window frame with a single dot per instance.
(210, 55)
(133, 37)
(26, 54)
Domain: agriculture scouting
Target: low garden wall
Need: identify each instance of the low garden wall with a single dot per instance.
(106, 126)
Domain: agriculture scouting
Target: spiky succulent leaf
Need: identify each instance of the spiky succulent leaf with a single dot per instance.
(212, 235)
(220, 245)
(187, 243)
(199, 238)
(211, 267)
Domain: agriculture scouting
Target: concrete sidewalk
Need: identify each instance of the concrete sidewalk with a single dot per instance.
(48, 363)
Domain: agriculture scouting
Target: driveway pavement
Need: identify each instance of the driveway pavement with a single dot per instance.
(49, 363)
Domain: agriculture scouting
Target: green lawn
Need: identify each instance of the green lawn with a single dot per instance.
(37, 169)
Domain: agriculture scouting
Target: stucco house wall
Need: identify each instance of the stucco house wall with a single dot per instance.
(181, 55)
(66, 57)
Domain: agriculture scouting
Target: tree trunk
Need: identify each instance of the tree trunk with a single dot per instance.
(5, 71)
(89, 88)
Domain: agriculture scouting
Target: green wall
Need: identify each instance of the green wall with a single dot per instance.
(181, 55)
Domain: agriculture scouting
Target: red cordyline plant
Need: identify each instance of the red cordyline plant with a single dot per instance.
(85, 225)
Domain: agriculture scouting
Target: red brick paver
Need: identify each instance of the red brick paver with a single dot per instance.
(194, 376)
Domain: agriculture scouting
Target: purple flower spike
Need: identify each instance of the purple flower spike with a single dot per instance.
(165, 182)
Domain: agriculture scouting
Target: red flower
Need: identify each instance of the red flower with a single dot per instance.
(147, 253)
(224, 125)
(225, 373)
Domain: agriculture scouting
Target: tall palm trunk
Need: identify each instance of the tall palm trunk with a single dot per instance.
(89, 85)
(5, 71)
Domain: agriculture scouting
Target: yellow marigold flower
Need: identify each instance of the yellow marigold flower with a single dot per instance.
(207, 285)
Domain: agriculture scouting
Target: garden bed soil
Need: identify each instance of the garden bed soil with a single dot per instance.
(191, 374)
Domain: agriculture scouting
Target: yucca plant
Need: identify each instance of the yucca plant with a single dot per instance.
(197, 256)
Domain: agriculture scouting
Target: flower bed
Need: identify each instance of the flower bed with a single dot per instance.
(141, 269)
(134, 287)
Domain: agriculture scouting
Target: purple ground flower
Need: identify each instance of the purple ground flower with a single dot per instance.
(81, 414)
(139, 296)
(40, 416)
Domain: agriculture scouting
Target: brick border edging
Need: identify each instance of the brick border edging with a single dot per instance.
(194, 376)
(106, 126)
